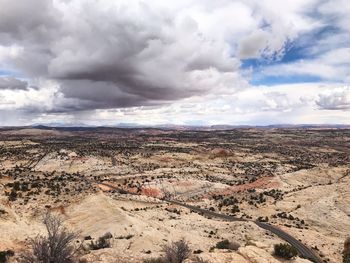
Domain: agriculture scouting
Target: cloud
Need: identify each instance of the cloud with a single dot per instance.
(255, 105)
(331, 66)
(260, 105)
(252, 45)
(113, 54)
(335, 99)
(12, 83)
(320, 50)
(131, 57)
(117, 54)
(337, 11)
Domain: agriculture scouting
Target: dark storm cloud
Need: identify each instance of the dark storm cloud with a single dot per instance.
(113, 56)
(11, 83)
(29, 21)
(93, 93)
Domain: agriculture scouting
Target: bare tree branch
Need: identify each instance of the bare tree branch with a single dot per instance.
(57, 247)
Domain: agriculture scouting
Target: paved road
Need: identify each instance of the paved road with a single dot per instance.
(303, 250)
(206, 212)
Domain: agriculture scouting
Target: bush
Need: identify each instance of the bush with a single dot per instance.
(13, 196)
(102, 242)
(4, 255)
(176, 252)
(56, 247)
(346, 258)
(225, 244)
(285, 251)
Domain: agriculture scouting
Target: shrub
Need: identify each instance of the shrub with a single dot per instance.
(56, 247)
(176, 252)
(346, 258)
(286, 251)
(225, 244)
(13, 196)
(4, 255)
(16, 186)
(102, 242)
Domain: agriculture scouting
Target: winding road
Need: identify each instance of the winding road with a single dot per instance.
(303, 250)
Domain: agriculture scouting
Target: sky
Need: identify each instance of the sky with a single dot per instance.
(183, 62)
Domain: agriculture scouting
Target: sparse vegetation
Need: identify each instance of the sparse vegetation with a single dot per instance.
(4, 255)
(56, 247)
(285, 251)
(37, 172)
(177, 251)
(129, 236)
(102, 242)
(226, 244)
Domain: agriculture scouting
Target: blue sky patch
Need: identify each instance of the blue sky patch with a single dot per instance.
(277, 80)
(302, 48)
(4, 72)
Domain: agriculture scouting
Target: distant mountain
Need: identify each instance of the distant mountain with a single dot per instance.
(127, 125)
(82, 126)
(307, 126)
(58, 124)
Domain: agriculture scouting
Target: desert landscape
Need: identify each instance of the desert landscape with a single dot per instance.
(139, 190)
(174, 131)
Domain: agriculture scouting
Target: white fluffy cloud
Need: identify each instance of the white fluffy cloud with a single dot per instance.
(332, 66)
(335, 99)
